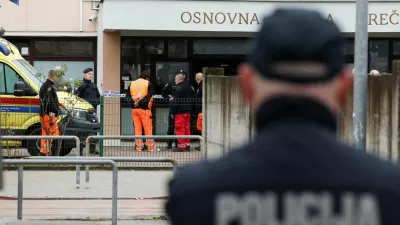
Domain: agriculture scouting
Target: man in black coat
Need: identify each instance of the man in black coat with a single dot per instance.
(88, 90)
(180, 111)
(295, 171)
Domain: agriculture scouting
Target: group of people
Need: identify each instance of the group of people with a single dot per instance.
(180, 93)
(50, 106)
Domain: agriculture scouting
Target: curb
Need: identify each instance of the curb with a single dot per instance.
(91, 219)
(73, 168)
(8, 198)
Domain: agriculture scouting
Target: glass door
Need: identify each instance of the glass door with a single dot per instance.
(164, 73)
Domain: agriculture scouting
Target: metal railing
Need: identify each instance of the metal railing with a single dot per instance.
(115, 159)
(132, 137)
(77, 147)
(79, 161)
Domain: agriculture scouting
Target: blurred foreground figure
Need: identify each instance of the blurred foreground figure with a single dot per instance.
(296, 171)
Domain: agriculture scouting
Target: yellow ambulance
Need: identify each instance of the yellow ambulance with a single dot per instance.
(20, 104)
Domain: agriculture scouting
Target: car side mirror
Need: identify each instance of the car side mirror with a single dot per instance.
(20, 88)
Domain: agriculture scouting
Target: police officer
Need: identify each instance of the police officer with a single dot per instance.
(88, 90)
(295, 171)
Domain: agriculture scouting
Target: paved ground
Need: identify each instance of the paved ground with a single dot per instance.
(61, 184)
(53, 195)
(121, 222)
(83, 209)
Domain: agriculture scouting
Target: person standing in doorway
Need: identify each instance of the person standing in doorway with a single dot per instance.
(88, 90)
(49, 111)
(141, 92)
(181, 112)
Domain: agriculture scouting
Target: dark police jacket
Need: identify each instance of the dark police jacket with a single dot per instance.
(294, 170)
(169, 89)
(48, 99)
(182, 99)
(89, 91)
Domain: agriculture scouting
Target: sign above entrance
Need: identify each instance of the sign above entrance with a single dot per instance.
(234, 16)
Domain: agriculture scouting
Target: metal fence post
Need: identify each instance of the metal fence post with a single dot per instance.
(33, 137)
(101, 124)
(75, 161)
(20, 191)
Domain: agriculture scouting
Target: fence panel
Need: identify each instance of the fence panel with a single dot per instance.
(81, 118)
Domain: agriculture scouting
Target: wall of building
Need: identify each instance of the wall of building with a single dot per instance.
(47, 18)
(227, 118)
(228, 122)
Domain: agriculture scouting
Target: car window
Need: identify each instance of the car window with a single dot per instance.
(11, 79)
(2, 79)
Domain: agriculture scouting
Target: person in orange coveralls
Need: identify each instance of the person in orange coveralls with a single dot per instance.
(141, 92)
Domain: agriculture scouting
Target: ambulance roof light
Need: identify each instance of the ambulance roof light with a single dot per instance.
(4, 49)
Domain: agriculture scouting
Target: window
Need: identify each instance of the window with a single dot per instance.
(378, 55)
(396, 48)
(75, 68)
(11, 79)
(81, 48)
(8, 77)
(154, 47)
(2, 79)
(177, 48)
(166, 71)
(220, 47)
(131, 48)
(348, 47)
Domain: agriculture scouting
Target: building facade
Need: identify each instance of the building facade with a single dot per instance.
(212, 37)
(53, 32)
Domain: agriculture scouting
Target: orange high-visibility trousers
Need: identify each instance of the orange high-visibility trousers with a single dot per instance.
(49, 128)
(200, 122)
(142, 119)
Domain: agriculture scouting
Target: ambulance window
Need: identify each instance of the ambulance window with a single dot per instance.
(11, 78)
(2, 80)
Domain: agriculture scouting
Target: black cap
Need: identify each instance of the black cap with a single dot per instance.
(88, 70)
(289, 40)
(181, 72)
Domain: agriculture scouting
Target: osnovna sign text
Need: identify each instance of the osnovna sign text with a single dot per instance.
(251, 18)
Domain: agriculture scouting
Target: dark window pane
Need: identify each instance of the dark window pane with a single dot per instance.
(130, 69)
(2, 79)
(23, 47)
(11, 79)
(166, 71)
(155, 47)
(64, 48)
(396, 48)
(348, 47)
(177, 48)
(220, 47)
(131, 48)
(378, 55)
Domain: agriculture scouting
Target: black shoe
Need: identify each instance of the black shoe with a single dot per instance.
(169, 146)
(42, 154)
(197, 148)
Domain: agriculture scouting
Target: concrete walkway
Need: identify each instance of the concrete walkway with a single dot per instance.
(53, 195)
(61, 184)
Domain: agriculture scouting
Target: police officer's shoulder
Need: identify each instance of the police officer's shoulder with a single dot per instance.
(205, 175)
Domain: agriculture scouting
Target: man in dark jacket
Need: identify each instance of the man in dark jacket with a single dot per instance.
(88, 90)
(180, 111)
(168, 92)
(49, 111)
(295, 171)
